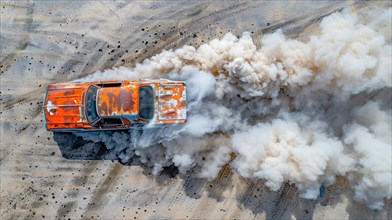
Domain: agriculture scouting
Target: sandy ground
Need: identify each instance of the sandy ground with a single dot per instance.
(46, 175)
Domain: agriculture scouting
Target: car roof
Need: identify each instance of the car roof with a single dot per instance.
(117, 101)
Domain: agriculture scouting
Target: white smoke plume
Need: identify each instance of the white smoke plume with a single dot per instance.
(290, 111)
(291, 148)
(370, 138)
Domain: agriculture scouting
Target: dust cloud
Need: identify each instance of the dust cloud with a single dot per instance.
(293, 111)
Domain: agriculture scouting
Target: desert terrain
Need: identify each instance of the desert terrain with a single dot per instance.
(63, 176)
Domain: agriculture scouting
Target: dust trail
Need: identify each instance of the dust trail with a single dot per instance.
(303, 112)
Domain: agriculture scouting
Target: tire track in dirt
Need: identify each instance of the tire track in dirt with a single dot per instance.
(22, 43)
(80, 181)
(287, 195)
(31, 96)
(99, 195)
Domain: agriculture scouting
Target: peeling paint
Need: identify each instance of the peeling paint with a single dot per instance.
(49, 107)
(172, 104)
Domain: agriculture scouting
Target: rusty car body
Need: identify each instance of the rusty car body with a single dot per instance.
(114, 105)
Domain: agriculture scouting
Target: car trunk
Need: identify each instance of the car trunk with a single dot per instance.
(63, 106)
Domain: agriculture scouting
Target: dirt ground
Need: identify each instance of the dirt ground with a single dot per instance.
(52, 176)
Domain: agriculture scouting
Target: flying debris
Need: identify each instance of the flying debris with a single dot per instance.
(114, 105)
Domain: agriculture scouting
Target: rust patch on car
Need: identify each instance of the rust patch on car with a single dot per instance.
(112, 98)
(104, 107)
(117, 101)
(128, 100)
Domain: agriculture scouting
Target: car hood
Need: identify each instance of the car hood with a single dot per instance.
(63, 105)
(172, 102)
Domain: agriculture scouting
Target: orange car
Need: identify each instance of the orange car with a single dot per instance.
(114, 105)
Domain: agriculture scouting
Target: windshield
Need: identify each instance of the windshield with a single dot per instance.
(146, 102)
(90, 104)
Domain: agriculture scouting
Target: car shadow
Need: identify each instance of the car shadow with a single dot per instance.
(73, 147)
